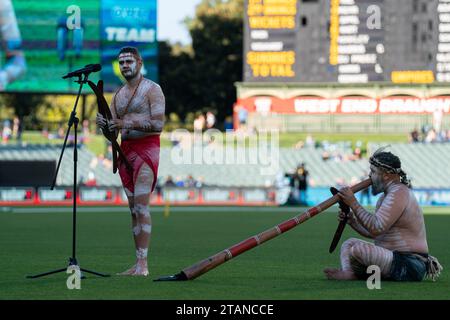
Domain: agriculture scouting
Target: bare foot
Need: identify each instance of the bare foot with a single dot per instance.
(142, 272)
(338, 274)
(329, 271)
(141, 268)
(128, 272)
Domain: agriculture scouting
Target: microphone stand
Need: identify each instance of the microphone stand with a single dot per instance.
(73, 121)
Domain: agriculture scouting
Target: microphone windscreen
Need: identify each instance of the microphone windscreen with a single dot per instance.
(97, 67)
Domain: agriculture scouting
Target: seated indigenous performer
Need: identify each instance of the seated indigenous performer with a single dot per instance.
(138, 113)
(400, 246)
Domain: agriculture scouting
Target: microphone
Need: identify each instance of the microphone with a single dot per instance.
(86, 70)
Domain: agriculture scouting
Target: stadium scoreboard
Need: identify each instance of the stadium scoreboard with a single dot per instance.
(347, 41)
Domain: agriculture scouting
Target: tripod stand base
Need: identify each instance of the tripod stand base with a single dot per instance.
(46, 273)
(72, 262)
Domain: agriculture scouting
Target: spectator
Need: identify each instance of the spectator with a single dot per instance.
(310, 141)
(425, 129)
(100, 160)
(210, 120)
(61, 133)
(431, 136)
(199, 123)
(169, 182)
(45, 132)
(108, 155)
(159, 185)
(228, 125)
(200, 182)
(437, 119)
(337, 156)
(174, 140)
(357, 154)
(17, 129)
(302, 178)
(442, 136)
(243, 117)
(325, 155)
(91, 181)
(105, 161)
(190, 182)
(179, 182)
(6, 132)
(85, 133)
(414, 136)
(299, 145)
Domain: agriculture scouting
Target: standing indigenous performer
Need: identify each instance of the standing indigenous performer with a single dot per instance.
(400, 246)
(138, 113)
(11, 41)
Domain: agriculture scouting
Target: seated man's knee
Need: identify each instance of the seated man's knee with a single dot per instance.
(350, 242)
(359, 250)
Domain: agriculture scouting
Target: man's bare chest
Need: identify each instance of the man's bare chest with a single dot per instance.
(127, 103)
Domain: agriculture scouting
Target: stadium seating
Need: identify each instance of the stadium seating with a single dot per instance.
(426, 165)
(52, 152)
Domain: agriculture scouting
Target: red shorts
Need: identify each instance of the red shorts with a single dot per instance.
(138, 152)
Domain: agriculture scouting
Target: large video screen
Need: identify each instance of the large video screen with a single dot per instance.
(43, 40)
(347, 41)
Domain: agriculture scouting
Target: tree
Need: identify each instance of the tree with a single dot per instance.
(201, 78)
(24, 105)
(176, 78)
(217, 36)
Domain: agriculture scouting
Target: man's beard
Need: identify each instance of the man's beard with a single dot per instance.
(132, 72)
(377, 187)
(130, 75)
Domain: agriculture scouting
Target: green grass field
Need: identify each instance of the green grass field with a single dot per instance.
(288, 267)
